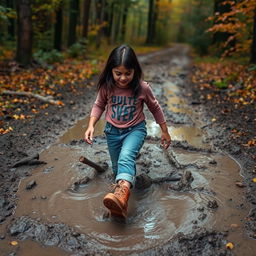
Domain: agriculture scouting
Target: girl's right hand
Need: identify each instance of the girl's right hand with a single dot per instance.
(88, 136)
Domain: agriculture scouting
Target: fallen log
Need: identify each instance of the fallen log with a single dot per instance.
(30, 160)
(97, 167)
(48, 99)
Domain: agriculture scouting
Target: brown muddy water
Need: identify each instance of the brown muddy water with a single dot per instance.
(155, 214)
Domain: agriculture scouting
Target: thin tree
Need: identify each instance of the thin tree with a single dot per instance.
(11, 25)
(85, 22)
(24, 32)
(253, 52)
(73, 18)
(124, 19)
(100, 5)
(151, 22)
(58, 28)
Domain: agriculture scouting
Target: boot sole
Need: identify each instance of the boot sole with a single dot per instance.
(114, 206)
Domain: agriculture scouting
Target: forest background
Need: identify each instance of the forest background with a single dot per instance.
(46, 45)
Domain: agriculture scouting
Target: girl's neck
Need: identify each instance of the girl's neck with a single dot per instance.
(121, 87)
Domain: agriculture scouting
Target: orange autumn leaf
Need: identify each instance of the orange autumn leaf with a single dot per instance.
(5, 131)
(230, 246)
(14, 243)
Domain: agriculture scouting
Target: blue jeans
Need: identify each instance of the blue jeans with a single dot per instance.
(124, 145)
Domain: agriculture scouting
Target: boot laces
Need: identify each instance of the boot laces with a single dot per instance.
(118, 189)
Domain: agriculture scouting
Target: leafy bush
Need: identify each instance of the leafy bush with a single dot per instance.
(49, 57)
(78, 49)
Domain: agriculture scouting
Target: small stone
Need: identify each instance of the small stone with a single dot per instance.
(200, 209)
(75, 234)
(2, 237)
(31, 184)
(212, 204)
(213, 162)
(43, 197)
(34, 197)
(48, 169)
(202, 216)
(240, 184)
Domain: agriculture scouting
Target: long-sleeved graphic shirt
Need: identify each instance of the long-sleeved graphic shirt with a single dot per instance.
(123, 109)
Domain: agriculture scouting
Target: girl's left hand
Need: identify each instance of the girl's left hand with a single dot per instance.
(165, 140)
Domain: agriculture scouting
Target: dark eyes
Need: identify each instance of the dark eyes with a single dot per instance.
(119, 74)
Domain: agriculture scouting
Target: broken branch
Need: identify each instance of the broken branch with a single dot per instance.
(84, 160)
(48, 99)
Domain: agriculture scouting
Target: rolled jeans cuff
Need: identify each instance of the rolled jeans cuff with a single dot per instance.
(127, 177)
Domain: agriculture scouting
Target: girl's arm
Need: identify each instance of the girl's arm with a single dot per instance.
(158, 114)
(88, 136)
(165, 138)
(96, 112)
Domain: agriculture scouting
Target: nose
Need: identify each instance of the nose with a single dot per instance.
(123, 78)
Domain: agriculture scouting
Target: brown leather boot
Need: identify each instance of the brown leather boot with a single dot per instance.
(117, 202)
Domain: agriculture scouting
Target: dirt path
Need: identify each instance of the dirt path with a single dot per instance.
(56, 209)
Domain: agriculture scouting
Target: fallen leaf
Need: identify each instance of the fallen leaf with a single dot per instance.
(230, 246)
(14, 243)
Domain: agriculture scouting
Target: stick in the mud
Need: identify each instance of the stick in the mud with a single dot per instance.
(84, 160)
(26, 160)
(172, 159)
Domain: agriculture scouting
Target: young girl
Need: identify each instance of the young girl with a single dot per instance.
(122, 93)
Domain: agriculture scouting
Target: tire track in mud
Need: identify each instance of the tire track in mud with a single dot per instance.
(187, 217)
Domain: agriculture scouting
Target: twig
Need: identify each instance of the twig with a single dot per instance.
(84, 160)
(48, 99)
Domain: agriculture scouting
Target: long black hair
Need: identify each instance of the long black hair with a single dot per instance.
(125, 56)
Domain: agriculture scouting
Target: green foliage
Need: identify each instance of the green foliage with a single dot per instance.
(49, 57)
(223, 84)
(78, 49)
(252, 67)
(193, 24)
(6, 13)
(43, 41)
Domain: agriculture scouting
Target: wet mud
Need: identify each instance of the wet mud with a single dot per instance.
(185, 202)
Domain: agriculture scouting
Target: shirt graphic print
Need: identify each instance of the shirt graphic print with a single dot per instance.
(123, 107)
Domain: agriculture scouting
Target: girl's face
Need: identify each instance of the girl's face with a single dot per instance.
(122, 76)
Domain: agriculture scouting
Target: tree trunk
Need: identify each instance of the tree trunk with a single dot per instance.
(253, 52)
(100, 4)
(110, 17)
(73, 18)
(11, 25)
(86, 11)
(151, 23)
(24, 42)
(58, 28)
(124, 19)
(155, 17)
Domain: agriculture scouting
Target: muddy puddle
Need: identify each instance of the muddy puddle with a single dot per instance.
(69, 192)
(156, 214)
